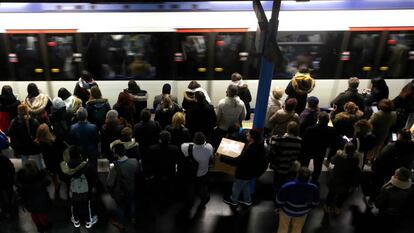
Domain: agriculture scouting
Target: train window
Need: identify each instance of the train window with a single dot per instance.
(229, 55)
(26, 57)
(62, 56)
(363, 50)
(4, 71)
(398, 59)
(319, 50)
(120, 56)
(191, 57)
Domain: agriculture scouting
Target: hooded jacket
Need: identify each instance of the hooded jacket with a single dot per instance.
(299, 87)
(97, 109)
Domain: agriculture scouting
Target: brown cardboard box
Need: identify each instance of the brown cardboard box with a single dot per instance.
(229, 148)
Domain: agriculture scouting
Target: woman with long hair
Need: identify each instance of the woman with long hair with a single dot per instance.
(22, 133)
(125, 107)
(52, 149)
(8, 107)
(179, 133)
(97, 107)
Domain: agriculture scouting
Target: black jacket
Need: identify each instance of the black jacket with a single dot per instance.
(6, 173)
(61, 120)
(97, 110)
(33, 191)
(317, 138)
(22, 137)
(163, 160)
(9, 105)
(201, 117)
(251, 163)
(179, 135)
(351, 94)
(146, 134)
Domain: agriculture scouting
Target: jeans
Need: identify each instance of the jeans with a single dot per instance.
(240, 186)
(36, 157)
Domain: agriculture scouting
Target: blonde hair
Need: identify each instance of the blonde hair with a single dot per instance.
(44, 135)
(178, 120)
(277, 92)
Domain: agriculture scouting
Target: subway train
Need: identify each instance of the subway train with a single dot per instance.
(154, 43)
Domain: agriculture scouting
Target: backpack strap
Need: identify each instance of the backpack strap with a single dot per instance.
(190, 151)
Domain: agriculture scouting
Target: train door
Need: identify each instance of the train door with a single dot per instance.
(230, 54)
(63, 57)
(398, 58)
(192, 56)
(363, 52)
(25, 57)
(4, 70)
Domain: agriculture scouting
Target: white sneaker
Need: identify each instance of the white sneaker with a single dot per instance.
(92, 222)
(76, 224)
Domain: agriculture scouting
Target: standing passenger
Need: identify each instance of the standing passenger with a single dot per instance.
(97, 107)
(139, 98)
(8, 107)
(273, 105)
(299, 88)
(281, 118)
(243, 92)
(83, 87)
(166, 90)
(72, 102)
(295, 200)
(39, 104)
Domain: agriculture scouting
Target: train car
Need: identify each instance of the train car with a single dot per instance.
(175, 42)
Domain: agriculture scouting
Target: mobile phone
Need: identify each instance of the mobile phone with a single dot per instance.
(111, 165)
(374, 109)
(394, 137)
(346, 138)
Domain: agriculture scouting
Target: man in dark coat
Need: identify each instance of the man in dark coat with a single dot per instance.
(249, 165)
(350, 95)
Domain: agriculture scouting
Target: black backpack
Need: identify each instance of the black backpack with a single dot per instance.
(189, 165)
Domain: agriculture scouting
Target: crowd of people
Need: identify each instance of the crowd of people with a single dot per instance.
(60, 140)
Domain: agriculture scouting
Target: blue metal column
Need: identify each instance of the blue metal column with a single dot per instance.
(270, 55)
(263, 89)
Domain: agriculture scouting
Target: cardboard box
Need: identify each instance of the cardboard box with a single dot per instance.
(230, 148)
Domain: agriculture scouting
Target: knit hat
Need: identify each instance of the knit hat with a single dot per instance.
(58, 103)
(313, 101)
(111, 116)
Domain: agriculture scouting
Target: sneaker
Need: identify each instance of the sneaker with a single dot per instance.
(246, 203)
(228, 201)
(92, 222)
(76, 224)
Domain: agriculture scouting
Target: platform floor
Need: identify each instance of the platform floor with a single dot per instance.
(216, 218)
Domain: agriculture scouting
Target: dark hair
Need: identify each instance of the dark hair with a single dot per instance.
(7, 93)
(323, 118)
(232, 90)
(304, 174)
(362, 127)
(293, 128)
(166, 88)
(145, 115)
(403, 174)
(32, 90)
(119, 149)
(165, 137)
(85, 75)
(63, 93)
(133, 87)
(386, 105)
(256, 135)
(290, 104)
(199, 138)
(193, 85)
(350, 148)
(125, 99)
(353, 82)
(126, 134)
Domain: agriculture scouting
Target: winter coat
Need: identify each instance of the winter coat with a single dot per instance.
(146, 134)
(189, 97)
(131, 148)
(344, 123)
(53, 154)
(230, 111)
(307, 118)
(381, 124)
(164, 115)
(97, 109)
(125, 112)
(39, 107)
(299, 87)
(22, 138)
(179, 135)
(61, 120)
(396, 198)
(317, 139)
(272, 107)
(244, 94)
(164, 159)
(250, 164)
(350, 95)
(281, 119)
(8, 111)
(85, 137)
(35, 197)
(201, 118)
(140, 102)
(82, 90)
(345, 173)
(109, 133)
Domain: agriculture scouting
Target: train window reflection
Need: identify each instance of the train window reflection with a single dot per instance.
(119, 56)
(191, 58)
(4, 71)
(398, 61)
(230, 55)
(363, 51)
(28, 64)
(60, 50)
(318, 50)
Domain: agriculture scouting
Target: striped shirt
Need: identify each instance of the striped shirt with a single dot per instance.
(284, 151)
(297, 198)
